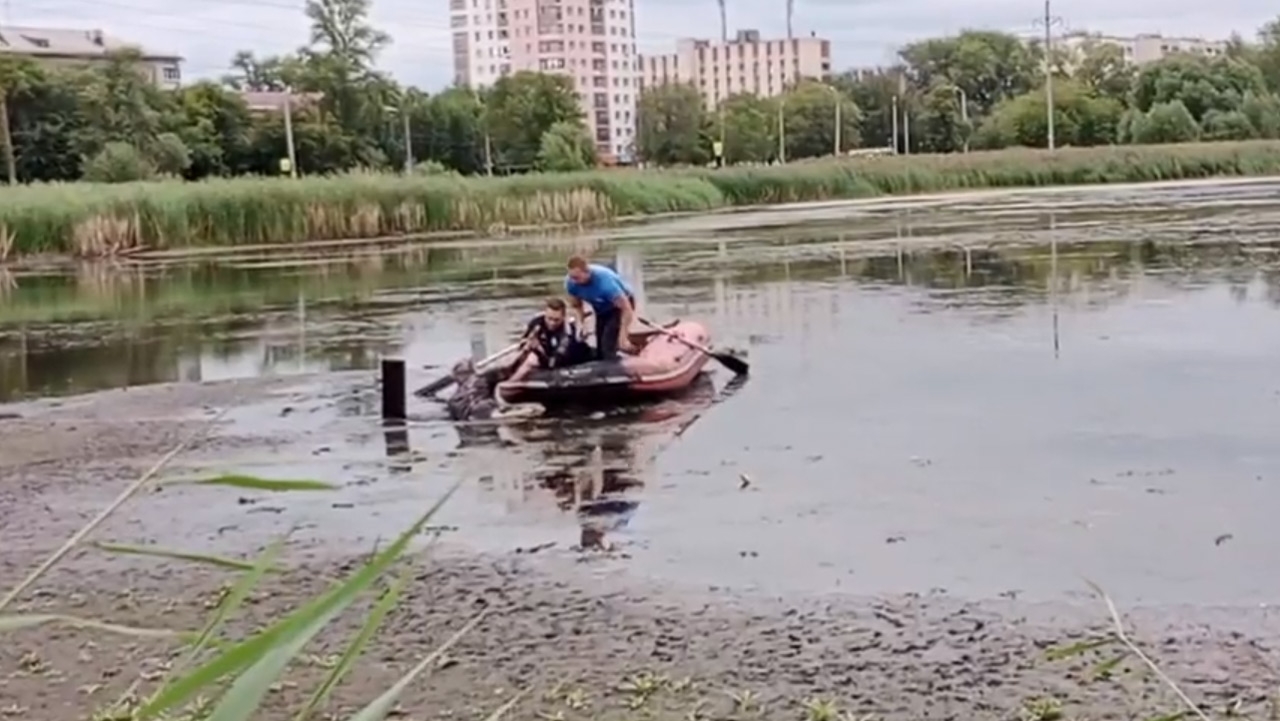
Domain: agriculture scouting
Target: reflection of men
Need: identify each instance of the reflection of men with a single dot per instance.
(551, 341)
(611, 300)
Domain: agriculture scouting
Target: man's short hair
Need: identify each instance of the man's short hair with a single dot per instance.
(577, 262)
(555, 303)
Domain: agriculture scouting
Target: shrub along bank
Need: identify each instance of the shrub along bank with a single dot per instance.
(90, 220)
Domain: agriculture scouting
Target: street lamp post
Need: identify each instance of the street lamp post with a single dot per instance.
(964, 115)
(894, 144)
(835, 94)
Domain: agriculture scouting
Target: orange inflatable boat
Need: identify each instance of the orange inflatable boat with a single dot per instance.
(661, 365)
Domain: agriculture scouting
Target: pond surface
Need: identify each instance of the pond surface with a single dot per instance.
(982, 395)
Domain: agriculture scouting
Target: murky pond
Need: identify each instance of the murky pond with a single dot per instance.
(988, 395)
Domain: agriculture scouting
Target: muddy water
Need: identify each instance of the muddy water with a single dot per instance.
(987, 396)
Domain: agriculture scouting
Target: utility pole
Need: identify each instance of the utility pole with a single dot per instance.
(894, 144)
(782, 129)
(1048, 21)
(964, 115)
(288, 132)
(724, 43)
(791, 11)
(408, 141)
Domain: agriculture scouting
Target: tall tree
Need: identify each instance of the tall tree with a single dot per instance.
(810, 110)
(1201, 84)
(750, 129)
(988, 66)
(521, 107)
(16, 76)
(669, 124)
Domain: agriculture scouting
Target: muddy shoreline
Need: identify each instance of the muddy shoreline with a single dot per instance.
(579, 622)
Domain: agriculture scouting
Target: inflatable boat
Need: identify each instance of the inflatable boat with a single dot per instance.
(661, 365)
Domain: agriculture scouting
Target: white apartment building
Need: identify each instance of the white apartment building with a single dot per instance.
(591, 41)
(745, 64)
(1144, 48)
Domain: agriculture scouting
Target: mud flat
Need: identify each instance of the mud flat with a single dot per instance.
(573, 625)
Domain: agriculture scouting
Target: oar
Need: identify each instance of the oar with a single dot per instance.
(733, 363)
(440, 384)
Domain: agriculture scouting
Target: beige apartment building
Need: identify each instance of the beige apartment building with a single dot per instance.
(591, 41)
(745, 64)
(54, 46)
(1145, 48)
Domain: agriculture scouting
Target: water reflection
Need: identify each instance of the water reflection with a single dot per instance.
(104, 327)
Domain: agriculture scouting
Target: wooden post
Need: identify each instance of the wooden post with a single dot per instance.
(394, 393)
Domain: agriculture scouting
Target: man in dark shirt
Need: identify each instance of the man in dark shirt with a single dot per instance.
(551, 341)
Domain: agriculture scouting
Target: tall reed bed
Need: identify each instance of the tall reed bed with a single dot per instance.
(106, 220)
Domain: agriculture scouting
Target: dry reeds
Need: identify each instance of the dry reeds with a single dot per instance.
(105, 220)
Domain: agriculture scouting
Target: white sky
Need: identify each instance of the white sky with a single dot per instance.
(863, 32)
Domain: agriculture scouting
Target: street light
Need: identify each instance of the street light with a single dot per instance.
(836, 95)
(894, 144)
(964, 114)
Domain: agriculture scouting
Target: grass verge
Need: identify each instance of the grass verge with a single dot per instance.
(90, 220)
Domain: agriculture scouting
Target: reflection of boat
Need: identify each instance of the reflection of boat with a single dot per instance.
(662, 365)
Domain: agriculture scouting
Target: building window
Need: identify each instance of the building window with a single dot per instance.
(172, 74)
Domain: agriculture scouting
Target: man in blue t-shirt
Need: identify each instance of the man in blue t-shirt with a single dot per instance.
(610, 299)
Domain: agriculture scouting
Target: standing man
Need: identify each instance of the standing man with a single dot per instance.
(611, 300)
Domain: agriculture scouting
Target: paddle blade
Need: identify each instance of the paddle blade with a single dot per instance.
(434, 387)
(733, 363)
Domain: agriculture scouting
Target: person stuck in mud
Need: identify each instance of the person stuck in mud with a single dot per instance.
(551, 341)
(473, 398)
(611, 300)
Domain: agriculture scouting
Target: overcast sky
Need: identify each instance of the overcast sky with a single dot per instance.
(863, 32)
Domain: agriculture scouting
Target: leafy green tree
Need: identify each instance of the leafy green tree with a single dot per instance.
(1080, 118)
(989, 66)
(449, 128)
(217, 129)
(47, 121)
(565, 147)
(939, 125)
(1200, 84)
(1267, 54)
(251, 73)
(521, 108)
(750, 129)
(810, 111)
(16, 76)
(1228, 125)
(1263, 112)
(119, 162)
(873, 93)
(1104, 69)
(1169, 122)
(669, 125)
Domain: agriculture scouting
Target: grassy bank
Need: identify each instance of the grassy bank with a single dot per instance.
(101, 220)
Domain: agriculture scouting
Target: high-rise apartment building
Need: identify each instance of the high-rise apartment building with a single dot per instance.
(745, 64)
(590, 41)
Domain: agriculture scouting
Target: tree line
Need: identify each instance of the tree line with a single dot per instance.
(979, 89)
(983, 90)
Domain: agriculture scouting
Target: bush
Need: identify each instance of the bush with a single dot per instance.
(118, 163)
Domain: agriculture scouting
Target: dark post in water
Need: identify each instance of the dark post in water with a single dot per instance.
(394, 394)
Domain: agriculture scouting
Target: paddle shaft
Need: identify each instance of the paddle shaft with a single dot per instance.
(737, 365)
(440, 384)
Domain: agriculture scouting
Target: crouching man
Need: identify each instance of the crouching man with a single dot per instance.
(551, 341)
